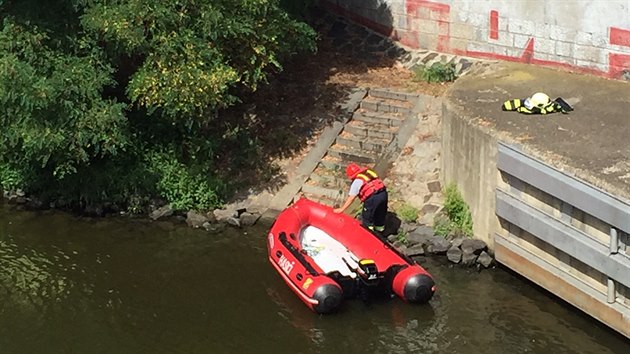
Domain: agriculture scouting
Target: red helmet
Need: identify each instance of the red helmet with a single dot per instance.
(353, 170)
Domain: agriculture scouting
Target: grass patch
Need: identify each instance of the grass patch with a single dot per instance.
(457, 218)
(438, 72)
(407, 213)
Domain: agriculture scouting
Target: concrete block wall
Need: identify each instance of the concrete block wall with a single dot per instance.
(585, 36)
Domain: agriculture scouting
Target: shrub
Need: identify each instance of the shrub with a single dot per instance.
(407, 213)
(183, 187)
(458, 218)
(10, 179)
(438, 72)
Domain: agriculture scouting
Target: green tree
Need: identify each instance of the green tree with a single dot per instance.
(54, 116)
(113, 99)
(191, 54)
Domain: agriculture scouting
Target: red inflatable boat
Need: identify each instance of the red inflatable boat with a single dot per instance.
(325, 257)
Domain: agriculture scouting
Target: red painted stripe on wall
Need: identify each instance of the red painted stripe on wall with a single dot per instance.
(618, 64)
(619, 36)
(494, 24)
(413, 5)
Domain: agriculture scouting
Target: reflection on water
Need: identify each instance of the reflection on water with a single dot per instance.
(71, 285)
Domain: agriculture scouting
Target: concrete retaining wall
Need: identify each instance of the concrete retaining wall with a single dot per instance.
(469, 161)
(586, 36)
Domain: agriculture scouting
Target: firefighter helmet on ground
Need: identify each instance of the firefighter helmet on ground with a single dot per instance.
(540, 99)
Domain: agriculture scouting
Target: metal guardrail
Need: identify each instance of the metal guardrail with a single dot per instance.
(564, 237)
(568, 189)
(558, 232)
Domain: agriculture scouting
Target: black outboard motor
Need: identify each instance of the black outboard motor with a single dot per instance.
(369, 278)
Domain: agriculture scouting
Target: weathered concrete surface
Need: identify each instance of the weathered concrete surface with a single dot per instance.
(589, 36)
(469, 160)
(591, 143)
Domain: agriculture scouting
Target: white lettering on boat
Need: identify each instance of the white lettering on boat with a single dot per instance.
(286, 265)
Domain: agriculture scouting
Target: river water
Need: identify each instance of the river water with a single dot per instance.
(76, 285)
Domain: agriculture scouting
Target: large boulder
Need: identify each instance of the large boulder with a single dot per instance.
(406, 227)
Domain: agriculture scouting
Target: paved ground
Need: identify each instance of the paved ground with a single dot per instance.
(592, 142)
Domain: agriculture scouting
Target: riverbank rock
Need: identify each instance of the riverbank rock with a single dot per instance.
(248, 219)
(16, 197)
(222, 215)
(468, 258)
(161, 212)
(415, 250)
(485, 260)
(421, 235)
(454, 254)
(238, 215)
(195, 219)
(438, 245)
(473, 246)
(420, 240)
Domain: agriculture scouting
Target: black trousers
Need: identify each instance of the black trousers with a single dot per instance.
(375, 210)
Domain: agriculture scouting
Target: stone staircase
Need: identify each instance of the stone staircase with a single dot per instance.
(375, 126)
(371, 136)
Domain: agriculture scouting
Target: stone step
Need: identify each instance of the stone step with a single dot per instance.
(351, 155)
(378, 105)
(392, 95)
(323, 200)
(335, 182)
(382, 119)
(329, 193)
(322, 170)
(388, 115)
(333, 163)
(371, 145)
(366, 130)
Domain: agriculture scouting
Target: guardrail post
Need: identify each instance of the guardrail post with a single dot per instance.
(612, 292)
(614, 241)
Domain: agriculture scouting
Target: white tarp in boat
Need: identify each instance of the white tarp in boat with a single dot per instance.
(329, 254)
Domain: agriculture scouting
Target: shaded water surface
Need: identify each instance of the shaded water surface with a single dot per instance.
(71, 285)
